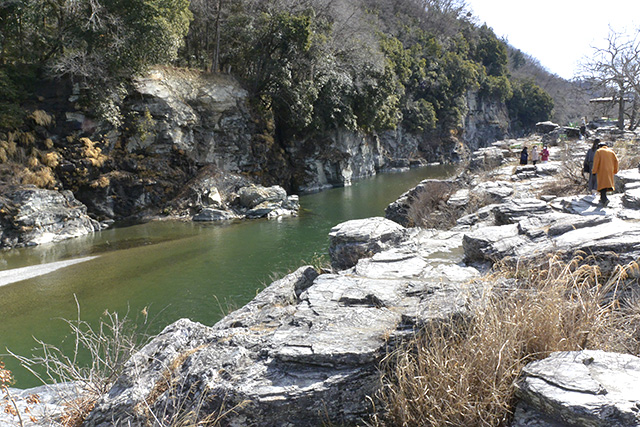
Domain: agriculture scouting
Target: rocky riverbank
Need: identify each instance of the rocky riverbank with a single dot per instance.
(307, 349)
(185, 143)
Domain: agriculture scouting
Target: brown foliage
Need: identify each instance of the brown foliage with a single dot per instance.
(463, 372)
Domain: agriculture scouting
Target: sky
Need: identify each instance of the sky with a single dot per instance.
(559, 33)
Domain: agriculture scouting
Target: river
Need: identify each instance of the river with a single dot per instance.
(176, 269)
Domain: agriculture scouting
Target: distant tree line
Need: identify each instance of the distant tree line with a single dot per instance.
(310, 65)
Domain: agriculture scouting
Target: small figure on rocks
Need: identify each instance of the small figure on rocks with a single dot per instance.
(534, 155)
(583, 129)
(524, 156)
(605, 165)
(544, 154)
(587, 167)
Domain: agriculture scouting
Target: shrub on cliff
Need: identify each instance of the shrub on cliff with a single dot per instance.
(528, 105)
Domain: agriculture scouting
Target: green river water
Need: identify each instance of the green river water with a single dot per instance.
(176, 269)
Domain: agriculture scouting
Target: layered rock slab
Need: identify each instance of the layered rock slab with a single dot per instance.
(581, 388)
(305, 351)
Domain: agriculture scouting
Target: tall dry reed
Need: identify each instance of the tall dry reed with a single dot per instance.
(462, 372)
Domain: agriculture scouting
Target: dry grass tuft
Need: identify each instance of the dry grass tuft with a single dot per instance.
(50, 159)
(569, 181)
(27, 139)
(33, 162)
(92, 153)
(41, 178)
(463, 372)
(41, 118)
(108, 347)
(102, 182)
(628, 154)
(429, 209)
(10, 146)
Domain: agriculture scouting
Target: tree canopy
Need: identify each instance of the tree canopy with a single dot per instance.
(312, 65)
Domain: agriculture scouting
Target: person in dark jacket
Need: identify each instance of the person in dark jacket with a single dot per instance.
(524, 156)
(587, 167)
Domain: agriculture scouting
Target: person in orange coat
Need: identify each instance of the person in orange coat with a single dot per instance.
(605, 165)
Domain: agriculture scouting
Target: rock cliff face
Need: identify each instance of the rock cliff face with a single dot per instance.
(486, 121)
(335, 160)
(178, 126)
(205, 116)
(208, 119)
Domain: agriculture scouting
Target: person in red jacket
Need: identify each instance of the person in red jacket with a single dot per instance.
(544, 154)
(605, 165)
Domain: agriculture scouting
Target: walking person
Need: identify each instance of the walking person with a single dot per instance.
(534, 155)
(544, 154)
(605, 165)
(587, 167)
(524, 156)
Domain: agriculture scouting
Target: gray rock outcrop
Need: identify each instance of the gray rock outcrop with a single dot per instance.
(486, 121)
(205, 116)
(400, 210)
(546, 127)
(38, 406)
(356, 239)
(257, 201)
(486, 158)
(580, 388)
(304, 352)
(31, 216)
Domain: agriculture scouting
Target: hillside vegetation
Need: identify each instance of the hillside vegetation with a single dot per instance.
(313, 66)
(310, 67)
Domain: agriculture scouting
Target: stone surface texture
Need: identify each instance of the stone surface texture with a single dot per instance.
(31, 216)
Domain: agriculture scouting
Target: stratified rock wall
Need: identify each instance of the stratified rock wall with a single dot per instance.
(31, 216)
(208, 118)
(486, 121)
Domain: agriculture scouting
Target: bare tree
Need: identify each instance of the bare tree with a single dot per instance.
(615, 69)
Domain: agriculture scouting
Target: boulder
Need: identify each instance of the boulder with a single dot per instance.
(631, 199)
(490, 244)
(570, 131)
(254, 195)
(211, 197)
(460, 198)
(627, 179)
(267, 202)
(580, 388)
(399, 211)
(546, 127)
(497, 191)
(31, 216)
(361, 238)
(486, 158)
(516, 209)
(210, 214)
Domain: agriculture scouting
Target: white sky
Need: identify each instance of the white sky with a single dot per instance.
(559, 33)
